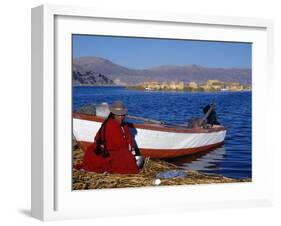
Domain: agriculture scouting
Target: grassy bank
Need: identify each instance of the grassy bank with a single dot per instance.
(146, 177)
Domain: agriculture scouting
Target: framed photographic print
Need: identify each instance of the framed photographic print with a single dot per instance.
(137, 112)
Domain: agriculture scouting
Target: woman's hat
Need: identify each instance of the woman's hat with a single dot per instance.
(118, 108)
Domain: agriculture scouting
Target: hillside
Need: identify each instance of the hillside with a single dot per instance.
(86, 70)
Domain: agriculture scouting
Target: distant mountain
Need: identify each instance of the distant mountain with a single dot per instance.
(90, 78)
(87, 68)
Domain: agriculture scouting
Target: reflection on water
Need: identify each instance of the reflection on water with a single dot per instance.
(217, 161)
(204, 161)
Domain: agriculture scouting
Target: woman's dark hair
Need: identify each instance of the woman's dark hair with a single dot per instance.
(101, 138)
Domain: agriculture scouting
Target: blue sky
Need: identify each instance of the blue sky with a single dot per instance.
(141, 53)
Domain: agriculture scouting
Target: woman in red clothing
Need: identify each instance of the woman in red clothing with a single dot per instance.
(113, 149)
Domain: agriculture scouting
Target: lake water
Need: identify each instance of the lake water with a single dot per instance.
(233, 159)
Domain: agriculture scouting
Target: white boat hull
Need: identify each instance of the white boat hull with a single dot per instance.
(156, 141)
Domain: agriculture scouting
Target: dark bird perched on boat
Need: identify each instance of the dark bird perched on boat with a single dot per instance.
(209, 118)
(212, 117)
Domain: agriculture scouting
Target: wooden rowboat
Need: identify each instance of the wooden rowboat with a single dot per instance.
(153, 140)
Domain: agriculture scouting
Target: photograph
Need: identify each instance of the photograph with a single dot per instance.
(160, 111)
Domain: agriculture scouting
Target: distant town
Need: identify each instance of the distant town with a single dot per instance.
(209, 86)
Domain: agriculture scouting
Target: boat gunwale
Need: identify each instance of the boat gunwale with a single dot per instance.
(150, 126)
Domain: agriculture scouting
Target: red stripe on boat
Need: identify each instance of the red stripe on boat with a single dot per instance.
(164, 153)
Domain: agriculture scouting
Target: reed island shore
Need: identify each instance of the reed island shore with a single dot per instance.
(147, 176)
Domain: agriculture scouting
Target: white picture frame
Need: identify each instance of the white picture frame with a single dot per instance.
(52, 196)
